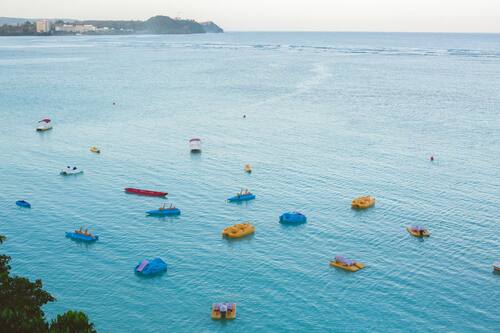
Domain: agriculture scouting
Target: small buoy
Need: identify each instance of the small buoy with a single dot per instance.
(114, 103)
(244, 116)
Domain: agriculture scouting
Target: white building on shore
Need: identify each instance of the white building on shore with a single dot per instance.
(43, 26)
(75, 28)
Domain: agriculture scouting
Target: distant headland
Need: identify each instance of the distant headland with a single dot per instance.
(154, 25)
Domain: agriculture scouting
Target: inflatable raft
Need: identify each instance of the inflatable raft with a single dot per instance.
(223, 311)
(418, 231)
(238, 230)
(293, 218)
(151, 267)
(346, 264)
(23, 203)
(363, 202)
(242, 196)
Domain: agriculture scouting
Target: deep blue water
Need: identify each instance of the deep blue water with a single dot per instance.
(330, 116)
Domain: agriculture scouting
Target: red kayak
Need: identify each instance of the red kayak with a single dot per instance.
(145, 192)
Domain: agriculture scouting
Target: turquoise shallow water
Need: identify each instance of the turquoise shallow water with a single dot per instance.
(330, 116)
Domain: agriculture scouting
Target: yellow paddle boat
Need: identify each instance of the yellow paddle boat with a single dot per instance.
(418, 231)
(94, 149)
(363, 202)
(238, 230)
(248, 168)
(347, 264)
(223, 311)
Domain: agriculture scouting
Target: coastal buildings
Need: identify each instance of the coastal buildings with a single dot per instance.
(43, 26)
(75, 28)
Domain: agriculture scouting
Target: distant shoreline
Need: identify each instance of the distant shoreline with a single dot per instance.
(156, 25)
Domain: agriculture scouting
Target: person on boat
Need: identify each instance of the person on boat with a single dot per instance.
(74, 168)
(432, 158)
(223, 309)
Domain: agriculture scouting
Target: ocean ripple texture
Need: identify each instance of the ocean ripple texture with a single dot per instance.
(329, 117)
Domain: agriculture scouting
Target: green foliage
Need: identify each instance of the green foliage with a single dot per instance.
(72, 322)
(24, 29)
(21, 304)
(166, 25)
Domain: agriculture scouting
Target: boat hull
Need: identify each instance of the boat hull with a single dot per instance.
(164, 212)
(80, 237)
(293, 218)
(240, 198)
(147, 193)
(24, 204)
(155, 266)
(70, 173)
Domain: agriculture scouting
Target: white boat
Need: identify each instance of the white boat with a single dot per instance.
(44, 125)
(195, 145)
(70, 171)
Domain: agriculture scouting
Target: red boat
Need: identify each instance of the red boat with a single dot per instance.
(145, 192)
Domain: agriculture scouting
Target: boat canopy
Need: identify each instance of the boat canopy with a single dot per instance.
(194, 139)
(46, 120)
(344, 261)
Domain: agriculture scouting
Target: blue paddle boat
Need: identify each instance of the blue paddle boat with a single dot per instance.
(162, 211)
(242, 196)
(293, 218)
(80, 235)
(150, 267)
(23, 203)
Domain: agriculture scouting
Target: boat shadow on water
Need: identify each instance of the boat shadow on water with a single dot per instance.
(195, 155)
(234, 241)
(82, 243)
(164, 218)
(155, 276)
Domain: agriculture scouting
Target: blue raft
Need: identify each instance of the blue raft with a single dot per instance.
(82, 237)
(242, 197)
(22, 203)
(165, 212)
(293, 218)
(150, 267)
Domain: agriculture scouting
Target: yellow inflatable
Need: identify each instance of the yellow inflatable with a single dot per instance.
(418, 232)
(348, 265)
(94, 149)
(363, 202)
(238, 230)
(248, 168)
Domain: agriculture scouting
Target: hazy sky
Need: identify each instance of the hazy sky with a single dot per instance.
(308, 15)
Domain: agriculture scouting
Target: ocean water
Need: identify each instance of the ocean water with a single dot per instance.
(329, 117)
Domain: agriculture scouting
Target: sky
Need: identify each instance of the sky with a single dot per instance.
(282, 15)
